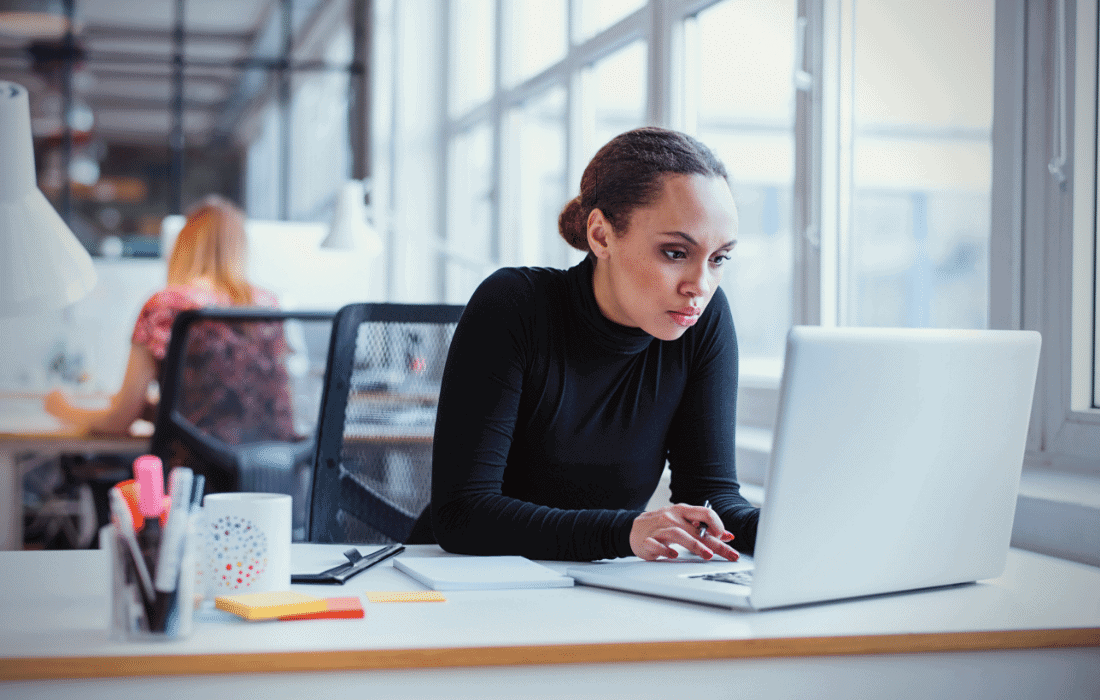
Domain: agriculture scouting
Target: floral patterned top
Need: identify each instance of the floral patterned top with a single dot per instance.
(154, 323)
(234, 384)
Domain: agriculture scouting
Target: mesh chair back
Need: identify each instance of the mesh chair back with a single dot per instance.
(372, 479)
(240, 399)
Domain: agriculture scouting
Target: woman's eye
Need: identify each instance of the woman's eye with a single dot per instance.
(675, 254)
(719, 259)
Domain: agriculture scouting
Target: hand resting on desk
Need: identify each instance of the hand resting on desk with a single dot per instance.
(654, 532)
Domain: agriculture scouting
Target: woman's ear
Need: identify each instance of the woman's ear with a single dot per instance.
(599, 230)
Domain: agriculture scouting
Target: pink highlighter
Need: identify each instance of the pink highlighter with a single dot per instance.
(149, 474)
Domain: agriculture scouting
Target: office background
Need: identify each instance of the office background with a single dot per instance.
(895, 164)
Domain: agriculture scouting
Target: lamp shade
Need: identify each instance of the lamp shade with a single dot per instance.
(42, 264)
(350, 229)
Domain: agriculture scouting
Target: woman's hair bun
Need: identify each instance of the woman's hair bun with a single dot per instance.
(573, 225)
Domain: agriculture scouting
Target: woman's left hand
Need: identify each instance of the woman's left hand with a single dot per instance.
(654, 532)
(56, 404)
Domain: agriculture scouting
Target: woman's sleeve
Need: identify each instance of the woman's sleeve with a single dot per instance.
(701, 445)
(154, 322)
(478, 407)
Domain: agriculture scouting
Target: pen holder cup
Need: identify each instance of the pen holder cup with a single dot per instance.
(137, 616)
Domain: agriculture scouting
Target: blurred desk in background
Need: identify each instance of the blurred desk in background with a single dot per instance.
(26, 429)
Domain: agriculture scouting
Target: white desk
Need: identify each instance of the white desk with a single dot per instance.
(1034, 632)
(26, 427)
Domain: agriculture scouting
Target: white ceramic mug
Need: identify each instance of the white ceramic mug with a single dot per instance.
(247, 542)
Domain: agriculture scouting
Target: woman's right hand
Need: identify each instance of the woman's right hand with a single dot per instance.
(654, 532)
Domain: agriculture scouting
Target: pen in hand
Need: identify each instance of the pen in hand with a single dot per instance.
(703, 526)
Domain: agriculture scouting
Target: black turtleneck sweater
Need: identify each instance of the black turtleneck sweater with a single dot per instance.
(555, 423)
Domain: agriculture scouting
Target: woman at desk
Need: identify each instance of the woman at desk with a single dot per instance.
(565, 391)
(206, 269)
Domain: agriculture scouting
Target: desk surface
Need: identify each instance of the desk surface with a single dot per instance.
(24, 420)
(53, 619)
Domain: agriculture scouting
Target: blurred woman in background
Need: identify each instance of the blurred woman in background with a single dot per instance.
(207, 268)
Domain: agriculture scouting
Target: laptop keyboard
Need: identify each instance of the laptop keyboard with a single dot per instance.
(739, 578)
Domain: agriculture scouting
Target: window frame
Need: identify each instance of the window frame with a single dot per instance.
(1060, 230)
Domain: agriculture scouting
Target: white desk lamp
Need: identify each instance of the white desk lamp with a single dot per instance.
(42, 264)
(350, 229)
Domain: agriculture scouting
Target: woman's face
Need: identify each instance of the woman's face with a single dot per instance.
(662, 271)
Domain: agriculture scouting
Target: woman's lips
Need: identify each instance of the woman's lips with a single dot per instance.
(685, 317)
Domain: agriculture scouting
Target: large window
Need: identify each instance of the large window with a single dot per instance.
(918, 252)
(858, 143)
(895, 152)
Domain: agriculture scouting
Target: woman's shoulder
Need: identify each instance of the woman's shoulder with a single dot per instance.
(178, 297)
(514, 298)
(509, 285)
(264, 297)
(530, 277)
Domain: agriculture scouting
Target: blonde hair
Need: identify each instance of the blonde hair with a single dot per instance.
(212, 244)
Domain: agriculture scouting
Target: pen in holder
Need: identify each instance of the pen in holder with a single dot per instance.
(134, 613)
(152, 597)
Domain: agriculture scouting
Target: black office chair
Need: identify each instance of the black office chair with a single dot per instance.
(240, 393)
(372, 475)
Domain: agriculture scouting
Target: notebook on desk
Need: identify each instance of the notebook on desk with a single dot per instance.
(895, 466)
(465, 573)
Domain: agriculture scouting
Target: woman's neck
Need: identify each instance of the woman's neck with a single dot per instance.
(605, 298)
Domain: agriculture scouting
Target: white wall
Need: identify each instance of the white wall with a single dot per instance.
(97, 327)
(284, 257)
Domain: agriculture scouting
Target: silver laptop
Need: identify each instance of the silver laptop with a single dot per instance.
(895, 466)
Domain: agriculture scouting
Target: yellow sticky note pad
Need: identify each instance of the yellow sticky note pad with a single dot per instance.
(264, 606)
(405, 597)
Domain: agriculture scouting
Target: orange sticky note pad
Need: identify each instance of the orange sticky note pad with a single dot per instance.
(405, 597)
(349, 607)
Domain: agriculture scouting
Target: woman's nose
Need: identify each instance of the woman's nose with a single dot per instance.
(696, 284)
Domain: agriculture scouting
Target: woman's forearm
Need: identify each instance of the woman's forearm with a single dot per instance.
(106, 420)
(126, 405)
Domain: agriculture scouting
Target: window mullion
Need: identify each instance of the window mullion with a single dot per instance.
(658, 64)
(836, 94)
(497, 125)
(571, 81)
(1007, 191)
(806, 218)
(443, 173)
